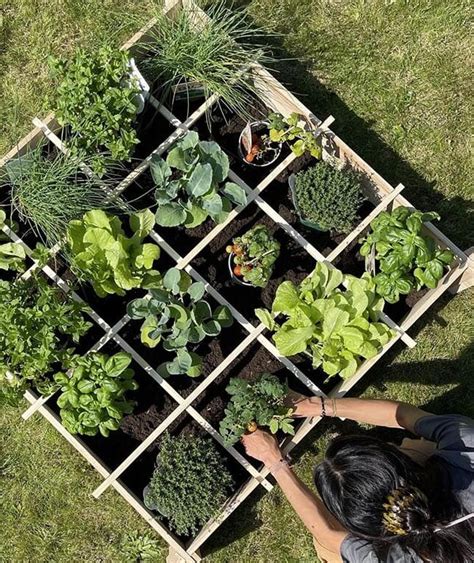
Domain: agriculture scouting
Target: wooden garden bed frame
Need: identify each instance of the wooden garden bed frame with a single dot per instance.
(381, 194)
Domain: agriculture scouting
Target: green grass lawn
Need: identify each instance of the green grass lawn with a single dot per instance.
(397, 78)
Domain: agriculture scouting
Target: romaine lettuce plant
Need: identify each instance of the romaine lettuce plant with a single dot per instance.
(93, 392)
(255, 254)
(176, 314)
(335, 327)
(293, 130)
(407, 260)
(12, 254)
(34, 319)
(101, 253)
(256, 403)
(189, 184)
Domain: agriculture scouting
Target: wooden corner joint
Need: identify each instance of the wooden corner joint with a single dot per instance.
(466, 280)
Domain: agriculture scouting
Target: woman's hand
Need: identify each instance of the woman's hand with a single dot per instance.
(303, 406)
(262, 446)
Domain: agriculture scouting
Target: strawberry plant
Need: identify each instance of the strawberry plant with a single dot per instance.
(335, 326)
(101, 253)
(406, 259)
(93, 392)
(189, 185)
(35, 318)
(293, 130)
(253, 404)
(176, 315)
(255, 254)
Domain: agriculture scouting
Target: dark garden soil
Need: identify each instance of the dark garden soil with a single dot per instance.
(294, 263)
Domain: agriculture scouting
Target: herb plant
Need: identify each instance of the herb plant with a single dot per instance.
(96, 96)
(34, 320)
(407, 260)
(294, 131)
(190, 483)
(188, 184)
(49, 192)
(12, 254)
(102, 253)
(217, 56)
(256, 403)
(327, 197)
(177, 315)
(93, 393)
(255, 254)
(335, 327)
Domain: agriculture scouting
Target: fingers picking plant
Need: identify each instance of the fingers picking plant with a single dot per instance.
(96, 96)
(407, 259)
(101, 252)
(294, 131)
(189, 184)
(93, 392)
(256, 403)
(34, 317)
(255, 254)
(336, 327)
(176, 315)
(190, 483)
(327, 197)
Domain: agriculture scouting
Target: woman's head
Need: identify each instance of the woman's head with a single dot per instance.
(378, 493)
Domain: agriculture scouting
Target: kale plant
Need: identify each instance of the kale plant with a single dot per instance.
(189, 184)
(190, 483)
(34, 320)
(101, 253)
(176, 314)
(335, 327)
(407, 259)
(328, 197)
(256, 403)
(93, 392)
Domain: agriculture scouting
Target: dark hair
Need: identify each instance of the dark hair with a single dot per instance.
(359, 475)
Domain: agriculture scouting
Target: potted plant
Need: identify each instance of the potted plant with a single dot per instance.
(189, 184)
(189, 484)
(294, 131)
(253, 404)
(176, 315)
(405, 259)
(335, 326)
(252, 257)
(326, 198)
(255, 146)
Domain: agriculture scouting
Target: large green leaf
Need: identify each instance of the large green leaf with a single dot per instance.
(117, 363)
(170, 215)
(160, 170)
(200, 181)
(212, 204)
(177, 159)
(334, 320)
(292, 341)
(235, 193)
(142, 223)
(223, 316)
(149, 253)
(286, 298)
(195, 215)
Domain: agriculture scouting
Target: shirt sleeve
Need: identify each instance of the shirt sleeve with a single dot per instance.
(454, 436)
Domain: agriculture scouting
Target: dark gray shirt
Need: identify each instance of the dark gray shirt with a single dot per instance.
(454, 436)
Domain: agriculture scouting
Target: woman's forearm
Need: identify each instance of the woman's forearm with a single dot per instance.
(390, 414)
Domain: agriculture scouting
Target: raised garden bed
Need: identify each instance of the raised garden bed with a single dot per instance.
(184, 405)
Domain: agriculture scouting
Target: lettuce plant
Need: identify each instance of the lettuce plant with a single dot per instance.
(12, 254)
(406, 259)
(293, 130)
(93, 393)
(256, 403)
(255, 254)
(190, 482)
(335, 326)
(35, 317)
(189, 184)
(101, 252)
(176, 314)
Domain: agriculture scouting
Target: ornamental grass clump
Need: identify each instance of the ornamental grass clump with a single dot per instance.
(327, 197)
(190, 483)
(216, 56)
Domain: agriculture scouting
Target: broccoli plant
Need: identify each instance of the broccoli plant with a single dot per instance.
(189, 184)
(336, 327)
(407, 260)
(102, 253)
(190, 482)
(255, 254)
(176, 314)
(93, 392)
(293, 130)
(253, 404)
